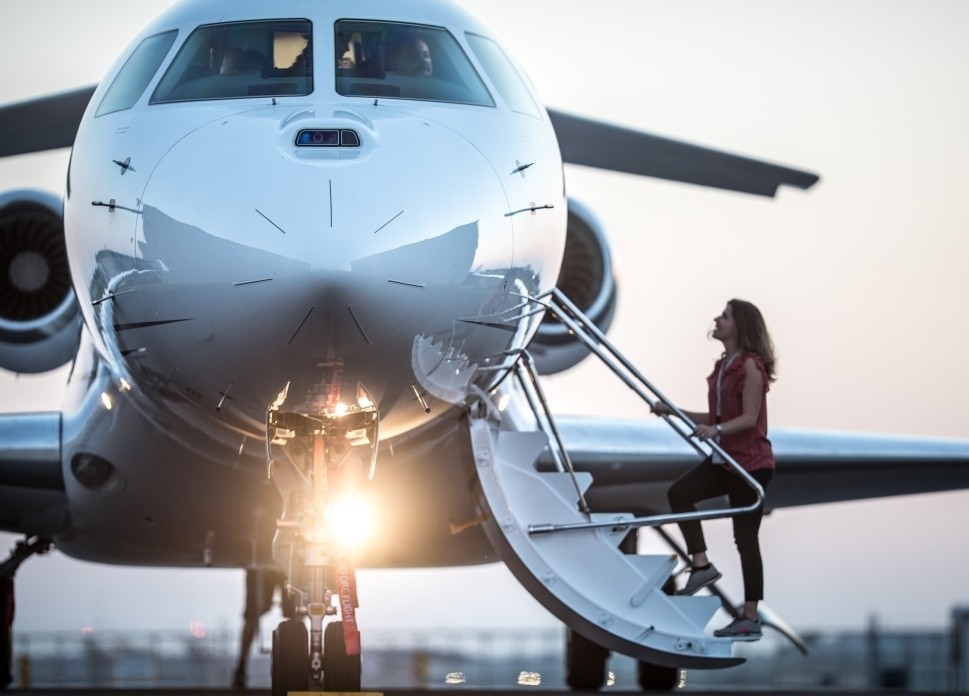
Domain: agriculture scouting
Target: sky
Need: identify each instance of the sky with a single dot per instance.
(860, 278)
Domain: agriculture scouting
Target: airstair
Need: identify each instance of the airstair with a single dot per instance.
(568, 557)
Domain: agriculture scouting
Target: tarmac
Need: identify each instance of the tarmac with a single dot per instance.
(436, 692)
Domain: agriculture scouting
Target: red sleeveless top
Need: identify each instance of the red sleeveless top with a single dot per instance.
(751, 448)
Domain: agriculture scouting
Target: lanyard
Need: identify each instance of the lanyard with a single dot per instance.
(715, 457)
(723, 368)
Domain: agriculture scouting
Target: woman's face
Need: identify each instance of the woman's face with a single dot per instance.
(724, 327)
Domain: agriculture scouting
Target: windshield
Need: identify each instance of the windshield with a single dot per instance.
(504, 76)
(136, 73)
(242, 59)
(404, 61)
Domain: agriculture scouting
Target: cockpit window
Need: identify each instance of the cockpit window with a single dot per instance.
(503, 75)
(136, 73)
(404, 61)
(243, 59)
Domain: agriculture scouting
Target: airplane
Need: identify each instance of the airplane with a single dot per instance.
(370, 353)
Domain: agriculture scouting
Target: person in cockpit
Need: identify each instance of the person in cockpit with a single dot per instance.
(242, 59)
(410, 55)
(347, 62)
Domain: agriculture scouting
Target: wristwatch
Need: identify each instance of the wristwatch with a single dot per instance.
(719, 430)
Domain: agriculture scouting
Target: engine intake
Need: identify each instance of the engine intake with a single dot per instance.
(588, 280)
(39, 317)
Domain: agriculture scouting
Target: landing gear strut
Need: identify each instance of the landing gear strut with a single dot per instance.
(8, 569)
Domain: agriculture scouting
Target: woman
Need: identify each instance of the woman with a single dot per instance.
(737, 420)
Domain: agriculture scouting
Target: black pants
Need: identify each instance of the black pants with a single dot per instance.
(707, 480)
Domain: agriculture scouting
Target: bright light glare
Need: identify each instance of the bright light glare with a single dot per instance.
(351, 521)
(340, 409)
(106, 400)
(455, 678)
(503, 401)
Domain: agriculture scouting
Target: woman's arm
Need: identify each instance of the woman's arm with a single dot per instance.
(753, 398)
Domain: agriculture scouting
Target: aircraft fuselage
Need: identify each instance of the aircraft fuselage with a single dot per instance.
(300, 232)
(218, 260)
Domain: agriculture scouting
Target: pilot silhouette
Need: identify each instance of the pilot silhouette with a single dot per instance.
(410, 55)
(242, 59)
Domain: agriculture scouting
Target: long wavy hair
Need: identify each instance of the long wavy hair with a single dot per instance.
(752, 334)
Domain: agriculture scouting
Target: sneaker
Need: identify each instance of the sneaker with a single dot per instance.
(700, 579)
(740, 628)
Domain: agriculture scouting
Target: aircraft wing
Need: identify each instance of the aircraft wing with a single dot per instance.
(605, 146)
(32, 494)
(46, 123)
(51, 122)
(633, 462)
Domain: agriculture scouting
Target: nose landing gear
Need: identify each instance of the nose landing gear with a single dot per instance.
(318, 460)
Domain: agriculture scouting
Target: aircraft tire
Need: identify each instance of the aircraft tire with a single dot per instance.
(290, 658)
(657, 678)
(585, 665)
(341, 672)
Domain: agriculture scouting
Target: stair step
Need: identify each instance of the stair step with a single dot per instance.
(655, 570)
(582, 576)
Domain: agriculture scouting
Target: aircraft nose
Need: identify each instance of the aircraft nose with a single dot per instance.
(267, 207)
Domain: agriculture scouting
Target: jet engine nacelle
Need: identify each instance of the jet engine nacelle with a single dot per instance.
(40, 324)
(587, 279)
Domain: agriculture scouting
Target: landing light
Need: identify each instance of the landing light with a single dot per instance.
(351, 521)
(503, 401)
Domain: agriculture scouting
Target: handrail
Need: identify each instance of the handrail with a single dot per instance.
(528, 378)
(579, 324)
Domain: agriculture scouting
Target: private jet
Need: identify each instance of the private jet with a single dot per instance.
(310, 264)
